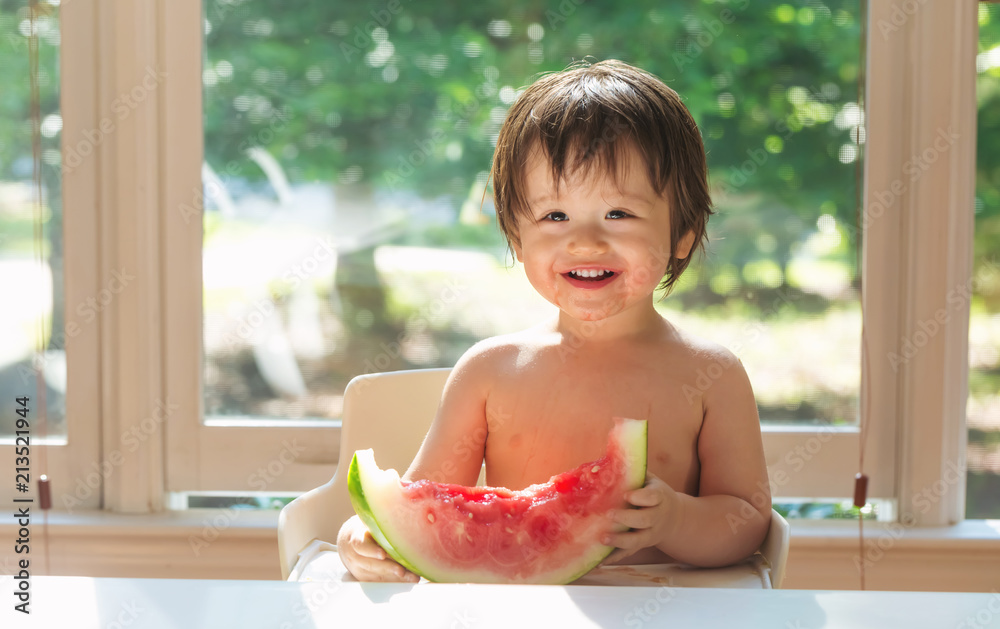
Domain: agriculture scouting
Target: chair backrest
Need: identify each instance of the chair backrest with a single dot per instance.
(775, 548)
(388, 412)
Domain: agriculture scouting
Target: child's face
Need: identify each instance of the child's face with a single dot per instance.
(594, 226)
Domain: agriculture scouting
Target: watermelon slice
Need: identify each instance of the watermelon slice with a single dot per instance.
(545, 533)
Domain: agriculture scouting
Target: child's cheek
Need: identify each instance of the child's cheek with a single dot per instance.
(647, 274)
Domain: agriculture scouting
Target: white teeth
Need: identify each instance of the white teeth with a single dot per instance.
(590, 273)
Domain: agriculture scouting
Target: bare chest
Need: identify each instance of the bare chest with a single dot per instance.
(551, 414)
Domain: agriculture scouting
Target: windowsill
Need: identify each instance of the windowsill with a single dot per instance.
(240, 521)
(199, 543)
(844, 533)
(238, 544)
(236, 521)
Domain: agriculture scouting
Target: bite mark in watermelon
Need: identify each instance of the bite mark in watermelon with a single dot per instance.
(545, 533)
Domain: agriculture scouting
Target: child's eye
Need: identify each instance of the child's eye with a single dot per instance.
(618, 214)
(555, 216)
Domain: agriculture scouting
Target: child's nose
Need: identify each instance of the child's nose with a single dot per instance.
(586, 240)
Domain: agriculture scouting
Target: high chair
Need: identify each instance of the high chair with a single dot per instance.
(391, 413)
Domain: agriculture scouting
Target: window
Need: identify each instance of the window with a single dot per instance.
(342, 184)
(154, 337)
(361, 174)
(66, 292)
(983, 489)
(33, 290)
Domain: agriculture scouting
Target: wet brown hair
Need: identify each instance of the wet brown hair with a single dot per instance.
(588, 115)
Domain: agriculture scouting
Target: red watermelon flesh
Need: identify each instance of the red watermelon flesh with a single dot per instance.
(545, 533)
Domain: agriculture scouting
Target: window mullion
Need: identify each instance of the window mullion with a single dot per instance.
(133, 405)
(918, 245)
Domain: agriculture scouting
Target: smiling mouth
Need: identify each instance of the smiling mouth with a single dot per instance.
(591, 275)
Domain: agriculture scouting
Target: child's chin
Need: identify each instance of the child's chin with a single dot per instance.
(591, 314)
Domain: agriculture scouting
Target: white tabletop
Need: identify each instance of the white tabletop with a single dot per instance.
(83, 603)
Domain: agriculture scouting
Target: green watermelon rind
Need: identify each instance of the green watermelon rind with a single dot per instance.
(633, 440)
(636, 479)
(364, 512)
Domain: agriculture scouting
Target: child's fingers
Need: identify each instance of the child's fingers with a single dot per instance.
(368, 547)
(367, 569)
(629, 540)
(617, 555)
(645, 497)
(632, 518)
(386, 570)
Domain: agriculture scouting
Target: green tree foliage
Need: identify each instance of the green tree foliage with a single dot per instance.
(404, 95)
(988, 157)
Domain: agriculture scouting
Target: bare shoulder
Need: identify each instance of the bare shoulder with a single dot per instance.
(704, 353)
(454, 447)
(502, 354)
(712, 371)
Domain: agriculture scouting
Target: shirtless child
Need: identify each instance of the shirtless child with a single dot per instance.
(601, 191)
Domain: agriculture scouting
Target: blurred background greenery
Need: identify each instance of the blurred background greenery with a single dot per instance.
(395, 107)
(348, 227)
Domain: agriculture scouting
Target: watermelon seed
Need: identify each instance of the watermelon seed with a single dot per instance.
(470, 516)
(508, 529)
(595, 468)
(430, 518)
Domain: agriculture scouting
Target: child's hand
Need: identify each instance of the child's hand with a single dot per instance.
(364, 558)
(652, 522)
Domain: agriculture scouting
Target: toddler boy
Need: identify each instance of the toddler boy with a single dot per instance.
(600, 186)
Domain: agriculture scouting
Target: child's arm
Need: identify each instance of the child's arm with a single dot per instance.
(729, 518)
(452, 452)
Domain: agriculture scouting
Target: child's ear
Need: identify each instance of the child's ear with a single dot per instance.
(684, 245)
(516, 248)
